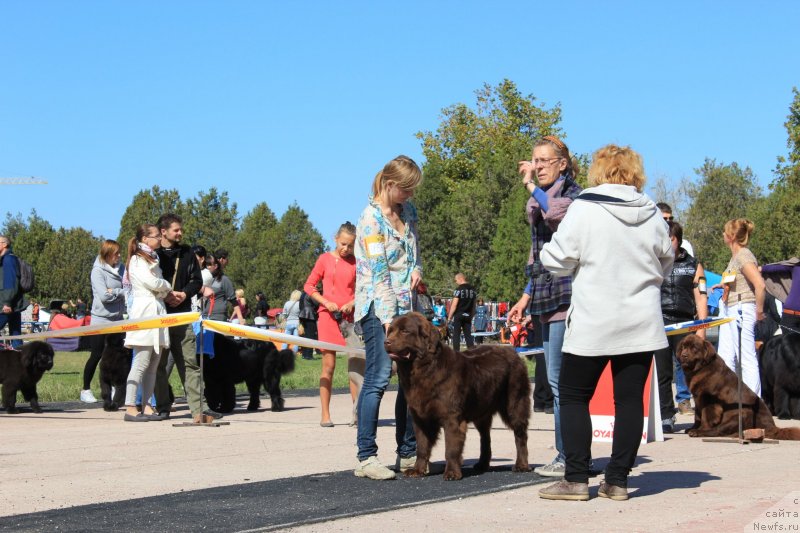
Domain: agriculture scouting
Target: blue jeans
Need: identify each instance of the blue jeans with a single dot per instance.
(376, 379)
(552, 340)
(14, 321)
(291, 329)
(681, 388)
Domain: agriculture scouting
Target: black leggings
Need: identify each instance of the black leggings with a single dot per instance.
(577, 383)
(665, 365)
(96, 345)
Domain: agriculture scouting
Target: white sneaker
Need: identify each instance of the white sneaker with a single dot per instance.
(373, 469)
(88, 397)
(554, 469)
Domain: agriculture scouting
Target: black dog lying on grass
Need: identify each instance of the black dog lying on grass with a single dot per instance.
(249, 361)
(21, 370)
(115, 365)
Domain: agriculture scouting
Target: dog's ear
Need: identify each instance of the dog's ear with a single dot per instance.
(710, 351)
(432, 334)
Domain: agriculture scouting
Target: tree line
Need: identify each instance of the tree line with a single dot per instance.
(471, 208)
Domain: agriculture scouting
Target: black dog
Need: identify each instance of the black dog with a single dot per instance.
(21, 371)
(252, 362)
(115, 365)
(780, 375)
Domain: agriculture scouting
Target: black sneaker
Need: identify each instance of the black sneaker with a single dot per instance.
(212, 413)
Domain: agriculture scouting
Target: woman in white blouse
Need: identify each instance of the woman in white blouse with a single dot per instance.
(147, 289)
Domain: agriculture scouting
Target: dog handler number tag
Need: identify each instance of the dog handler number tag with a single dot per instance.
(374, 245)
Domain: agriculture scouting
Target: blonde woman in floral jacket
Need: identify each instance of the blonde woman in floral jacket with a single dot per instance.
(388, 269)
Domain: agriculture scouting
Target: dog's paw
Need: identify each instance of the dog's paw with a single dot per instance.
(521, 468)
(37, 409)
(692, 432)
(11, 410)
(278, 405)
(452, 475)
(253, 406)
(110, 407)
(413, 472)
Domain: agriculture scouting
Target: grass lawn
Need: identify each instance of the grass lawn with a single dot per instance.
(65, 381)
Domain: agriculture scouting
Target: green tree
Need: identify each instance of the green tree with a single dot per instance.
(506, 279)
(724, 192)
(247, 265)
(29, 239)
(470, 170)
(145, 208)
(291, 250)
(69, 257)
(211, 220)
(777, 234)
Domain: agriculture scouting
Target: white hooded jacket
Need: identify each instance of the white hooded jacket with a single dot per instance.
(618, 251)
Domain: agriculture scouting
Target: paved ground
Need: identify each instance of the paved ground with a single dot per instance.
(75, 468)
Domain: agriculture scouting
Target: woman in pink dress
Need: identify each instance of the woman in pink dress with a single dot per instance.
(337, 271)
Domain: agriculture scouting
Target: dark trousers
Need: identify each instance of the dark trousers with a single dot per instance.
(14, 321)
(664, 367)
(542, 393)
(96, 345)
(462, 323)
(309, 332)
(577, 383)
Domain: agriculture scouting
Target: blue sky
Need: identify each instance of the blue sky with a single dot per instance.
(304, 102)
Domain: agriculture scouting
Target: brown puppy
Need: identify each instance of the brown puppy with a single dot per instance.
(714, 388)
(21, 371)
(446, 389)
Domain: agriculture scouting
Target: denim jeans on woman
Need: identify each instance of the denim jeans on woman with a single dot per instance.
(376, 379)
(552, 340)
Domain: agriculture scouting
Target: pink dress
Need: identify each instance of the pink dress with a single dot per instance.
(338, 277)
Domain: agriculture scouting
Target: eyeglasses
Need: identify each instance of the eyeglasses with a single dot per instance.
(153, 237)
(669, 218)
(544, 162)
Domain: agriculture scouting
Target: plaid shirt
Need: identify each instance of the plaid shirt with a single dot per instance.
(548, 292)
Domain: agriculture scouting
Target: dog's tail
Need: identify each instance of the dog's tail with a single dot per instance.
(285, 361)
(783, 433)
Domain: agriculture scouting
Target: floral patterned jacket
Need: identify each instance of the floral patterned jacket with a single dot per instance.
(385, 260)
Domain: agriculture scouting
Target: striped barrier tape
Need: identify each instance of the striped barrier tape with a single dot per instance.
(122, 326)
(250, 332)
(695, 325)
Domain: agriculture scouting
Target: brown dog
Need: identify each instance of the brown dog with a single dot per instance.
(446, 389)
(714, 388)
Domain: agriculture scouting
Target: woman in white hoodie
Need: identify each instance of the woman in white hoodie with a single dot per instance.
(615, 245)
(148, 289)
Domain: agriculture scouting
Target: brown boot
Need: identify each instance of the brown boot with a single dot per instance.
(203, 419)
(613, 492)
(566, 490)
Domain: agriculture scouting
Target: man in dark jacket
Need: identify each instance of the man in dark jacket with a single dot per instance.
(12, 299)
(179, 266)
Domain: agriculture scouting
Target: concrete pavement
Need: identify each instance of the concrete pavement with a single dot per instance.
(81, 468)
